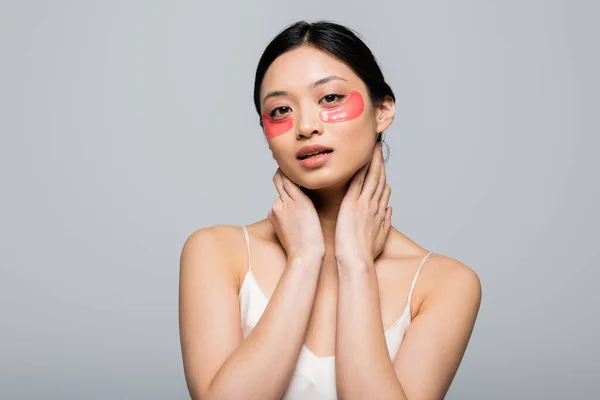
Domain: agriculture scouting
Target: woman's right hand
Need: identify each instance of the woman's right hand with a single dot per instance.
(296, 221)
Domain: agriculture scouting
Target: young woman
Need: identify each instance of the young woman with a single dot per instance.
(324, 299)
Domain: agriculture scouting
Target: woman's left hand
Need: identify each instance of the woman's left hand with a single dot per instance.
(364, 219)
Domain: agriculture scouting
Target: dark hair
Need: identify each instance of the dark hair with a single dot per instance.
(336, 39)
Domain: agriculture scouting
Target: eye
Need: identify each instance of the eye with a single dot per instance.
(279, 111)
(332, 98)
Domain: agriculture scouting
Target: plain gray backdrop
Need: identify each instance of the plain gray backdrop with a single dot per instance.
(125, 126)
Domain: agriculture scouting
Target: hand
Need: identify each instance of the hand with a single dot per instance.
(296, 221)
(364, 219)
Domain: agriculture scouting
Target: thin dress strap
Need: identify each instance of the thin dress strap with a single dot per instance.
(247, 246)
(416, 276)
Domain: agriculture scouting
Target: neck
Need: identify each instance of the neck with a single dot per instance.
(327, 202)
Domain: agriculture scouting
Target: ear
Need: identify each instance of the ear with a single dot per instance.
(384, 114)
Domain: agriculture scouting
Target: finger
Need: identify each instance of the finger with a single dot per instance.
(372, 178)
(385, 198)
(291, 188)
(380, 185)
(357, 181)
(271, 214)
(278, 181)
(387, 222)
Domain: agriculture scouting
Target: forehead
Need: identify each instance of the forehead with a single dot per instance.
(297, 69)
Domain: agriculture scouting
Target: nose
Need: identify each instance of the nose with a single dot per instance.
(309, 123)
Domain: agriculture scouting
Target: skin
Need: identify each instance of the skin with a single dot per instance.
(335, 269)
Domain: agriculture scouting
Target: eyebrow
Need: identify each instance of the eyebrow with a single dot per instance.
(326, 80)
(318, 83)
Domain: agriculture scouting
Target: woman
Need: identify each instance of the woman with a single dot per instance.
(317, 300)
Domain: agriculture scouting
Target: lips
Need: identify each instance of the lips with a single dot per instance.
(312, 150)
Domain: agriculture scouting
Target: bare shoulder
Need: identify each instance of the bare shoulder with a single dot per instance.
(223, 245)
(451, 274)
(450, 282)
(216, 238)
(441, 278)
(217, 235)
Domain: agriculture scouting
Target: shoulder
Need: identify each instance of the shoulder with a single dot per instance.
(438, 270)
(441, 278)
(217, 238)
(449, 280)
(218, 245)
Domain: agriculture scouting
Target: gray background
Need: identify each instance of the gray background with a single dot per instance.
(128, 125)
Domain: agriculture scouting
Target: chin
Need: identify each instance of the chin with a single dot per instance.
(336, 172)
(322, 179)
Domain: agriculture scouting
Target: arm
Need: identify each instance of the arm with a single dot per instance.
(218, 364)
(437, 338)
(431, 350)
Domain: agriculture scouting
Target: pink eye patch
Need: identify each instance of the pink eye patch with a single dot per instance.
(276, 127)
(351, 109)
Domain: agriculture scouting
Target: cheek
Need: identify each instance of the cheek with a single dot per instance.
(351, 109)
(274, 128)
